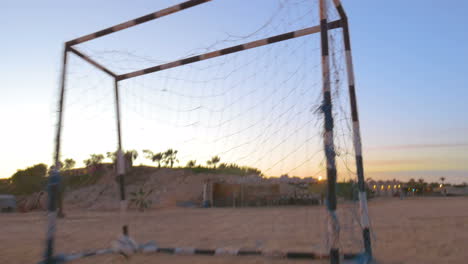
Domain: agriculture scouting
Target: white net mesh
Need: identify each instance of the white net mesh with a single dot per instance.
(257, 109)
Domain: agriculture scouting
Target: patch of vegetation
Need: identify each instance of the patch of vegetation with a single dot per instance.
(5, 186)
(69, 164)
(140, 199)
(29, 180)
(168, 157)
(224, 168)
(347, 190)
(191, 163)
(83, 180)
(129, 156)
(95, 159)
(77, 178)
(213, 161)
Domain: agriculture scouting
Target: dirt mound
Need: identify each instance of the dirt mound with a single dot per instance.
(168, 186)
(35, 201)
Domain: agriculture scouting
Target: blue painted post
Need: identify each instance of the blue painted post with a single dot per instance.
(54, 178)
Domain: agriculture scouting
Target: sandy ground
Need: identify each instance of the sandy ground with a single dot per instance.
(415, 230)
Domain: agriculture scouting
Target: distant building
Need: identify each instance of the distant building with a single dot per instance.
(257, 191)
(294, 179)
(385, 188)
(454, 190)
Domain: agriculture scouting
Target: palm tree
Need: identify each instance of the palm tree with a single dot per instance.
(215, 160)
(421, 185)
(442, 179)
(191, 163)
(154, 157)
(170, 157)
(132, 153)
(158, 157)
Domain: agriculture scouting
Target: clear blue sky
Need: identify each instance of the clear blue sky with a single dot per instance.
(411, 62)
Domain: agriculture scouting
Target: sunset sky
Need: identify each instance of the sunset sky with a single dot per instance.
(411, 62)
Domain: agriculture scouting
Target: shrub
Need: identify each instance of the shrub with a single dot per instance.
(140, 199)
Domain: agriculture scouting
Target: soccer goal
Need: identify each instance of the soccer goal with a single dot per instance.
(230, 129)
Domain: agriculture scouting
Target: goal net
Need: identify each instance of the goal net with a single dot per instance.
(219, 115)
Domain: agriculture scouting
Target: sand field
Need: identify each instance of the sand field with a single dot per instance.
(414, 230)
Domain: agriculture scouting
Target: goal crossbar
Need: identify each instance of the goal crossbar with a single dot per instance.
(229, 50)
(137, 21)
(213, 54)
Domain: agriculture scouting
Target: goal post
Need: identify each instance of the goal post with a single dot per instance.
(326, 109)
(328, 139)
(355, 128)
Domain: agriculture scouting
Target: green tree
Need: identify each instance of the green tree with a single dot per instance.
(170, 157)
(29, 180)
(95, 159)
(421, 185)
(69, 164)
(191, 163)
(158, 157)
(214, 160)
(112, 156)
(154, 157)
(5, 186)
(129, 156)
